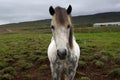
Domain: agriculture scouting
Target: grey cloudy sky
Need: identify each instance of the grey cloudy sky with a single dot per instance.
(12, 11)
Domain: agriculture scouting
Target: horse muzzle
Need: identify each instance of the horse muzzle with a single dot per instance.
(62, 53)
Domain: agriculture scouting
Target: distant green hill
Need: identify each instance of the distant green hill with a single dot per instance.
(78, 21)
(88, 20)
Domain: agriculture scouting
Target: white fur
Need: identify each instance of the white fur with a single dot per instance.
(52, 50)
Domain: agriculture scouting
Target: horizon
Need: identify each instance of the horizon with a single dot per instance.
(50, 18)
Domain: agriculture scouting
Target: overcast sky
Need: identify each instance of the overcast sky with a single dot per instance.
(12, 11)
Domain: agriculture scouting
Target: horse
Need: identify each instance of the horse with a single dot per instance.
(63, 51)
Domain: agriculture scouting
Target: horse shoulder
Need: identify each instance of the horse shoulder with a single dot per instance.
(52, 51)
(76, 49)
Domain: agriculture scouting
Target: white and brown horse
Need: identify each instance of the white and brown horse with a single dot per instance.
(63, 51)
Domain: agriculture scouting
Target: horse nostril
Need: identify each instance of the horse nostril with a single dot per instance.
(62, 53)
(57, 51)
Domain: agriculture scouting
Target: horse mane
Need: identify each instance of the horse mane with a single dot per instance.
(61, 15)
(71, 37)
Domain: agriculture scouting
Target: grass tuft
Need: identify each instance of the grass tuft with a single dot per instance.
(23, 65)
(42, 68)
(114, 73)
(109, 54)
(85, 78)
(3, 64)
(80, 74)
(99, 64)
(82, 64)
(8, 70)
(7, 77)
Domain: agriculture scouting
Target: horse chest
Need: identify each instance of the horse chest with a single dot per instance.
(66, 64)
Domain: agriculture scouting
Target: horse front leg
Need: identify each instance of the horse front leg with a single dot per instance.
(71, 71)
(71, 74)
(56, 72)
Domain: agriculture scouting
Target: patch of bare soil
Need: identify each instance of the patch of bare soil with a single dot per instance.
(91, 71)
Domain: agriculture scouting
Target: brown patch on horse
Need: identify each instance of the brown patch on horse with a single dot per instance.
(61, 16)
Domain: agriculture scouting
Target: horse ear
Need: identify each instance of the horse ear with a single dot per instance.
(51, 10)
(69, 9)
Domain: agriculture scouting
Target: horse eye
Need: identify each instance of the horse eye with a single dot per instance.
(52, 27)
(68, 26)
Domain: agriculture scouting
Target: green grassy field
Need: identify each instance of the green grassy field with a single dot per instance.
(23, 56)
